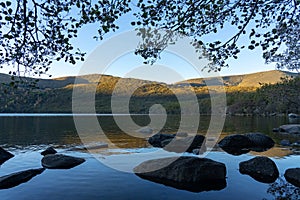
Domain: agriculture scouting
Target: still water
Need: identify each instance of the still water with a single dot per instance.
(26, 136)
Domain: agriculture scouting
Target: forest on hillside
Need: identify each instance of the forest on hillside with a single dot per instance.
(268, 99)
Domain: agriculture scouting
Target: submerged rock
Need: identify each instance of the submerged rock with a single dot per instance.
(262, 169)
(160, 139)
(49, 150)
(146, 130)
(293, 176)
(4, 155)
(290, 128)
(260, 140)
(187, 144)
(15, 179)
(59, 161)
(188, 173)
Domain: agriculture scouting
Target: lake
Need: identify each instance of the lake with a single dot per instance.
(27, 135)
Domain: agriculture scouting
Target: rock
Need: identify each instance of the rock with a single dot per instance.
(290, 128)
(188, 173)
(293, 115)
(4, 155)
(181, 134)
(235, 141)
(293, 176)
(260, 140)
(157, 140)
(296, 144)
(285, 143)
(146, 130)
(49, 150)
(15, 179)
(59, 161)
(187, 144)
(260, 168)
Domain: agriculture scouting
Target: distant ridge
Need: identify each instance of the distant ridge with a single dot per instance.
(246, 80)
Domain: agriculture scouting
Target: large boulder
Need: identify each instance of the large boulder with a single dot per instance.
(188, 173)
(293, 176)
(160, 139)
(290, 128)
(4, 155)
(262, 169)
(49, 150)
(15, 179)
(59, 161)
(260, 140)
(186, 144)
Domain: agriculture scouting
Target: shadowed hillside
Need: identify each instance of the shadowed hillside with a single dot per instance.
(259, 93)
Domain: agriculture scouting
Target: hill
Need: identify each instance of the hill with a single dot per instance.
(55, 95)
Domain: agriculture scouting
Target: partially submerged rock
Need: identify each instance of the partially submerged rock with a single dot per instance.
(15, 179)
(235, 141)
(4, 155)
(49, 150)
(239, 144)
(290, 128)
(188, 173)
(160, 139)
(260, 140)
(59, 161)
(292, 175)
(262, 169)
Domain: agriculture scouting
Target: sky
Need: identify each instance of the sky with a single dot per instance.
(124, 65)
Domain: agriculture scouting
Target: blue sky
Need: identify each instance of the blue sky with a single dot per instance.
(247, 62)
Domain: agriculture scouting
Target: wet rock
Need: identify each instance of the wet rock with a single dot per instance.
(49, 150)
(59, 161)
(285, 143)
(4, 155)
(290, 128)
(15, 179)
(261, 168)
(235, 141)
(260, 140)
(160, 139)
(293, 176)
(146, 130)
(181, 134)
(187, 144)
(188, 173)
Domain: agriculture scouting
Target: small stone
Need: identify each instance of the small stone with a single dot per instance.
(59, 161)
(292, 175)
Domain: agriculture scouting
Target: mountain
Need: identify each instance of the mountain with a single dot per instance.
(246, 80)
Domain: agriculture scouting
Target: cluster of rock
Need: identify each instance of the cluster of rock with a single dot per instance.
(202, 174)
(51, 160)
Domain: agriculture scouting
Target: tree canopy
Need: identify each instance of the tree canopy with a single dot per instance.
(34, 33)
